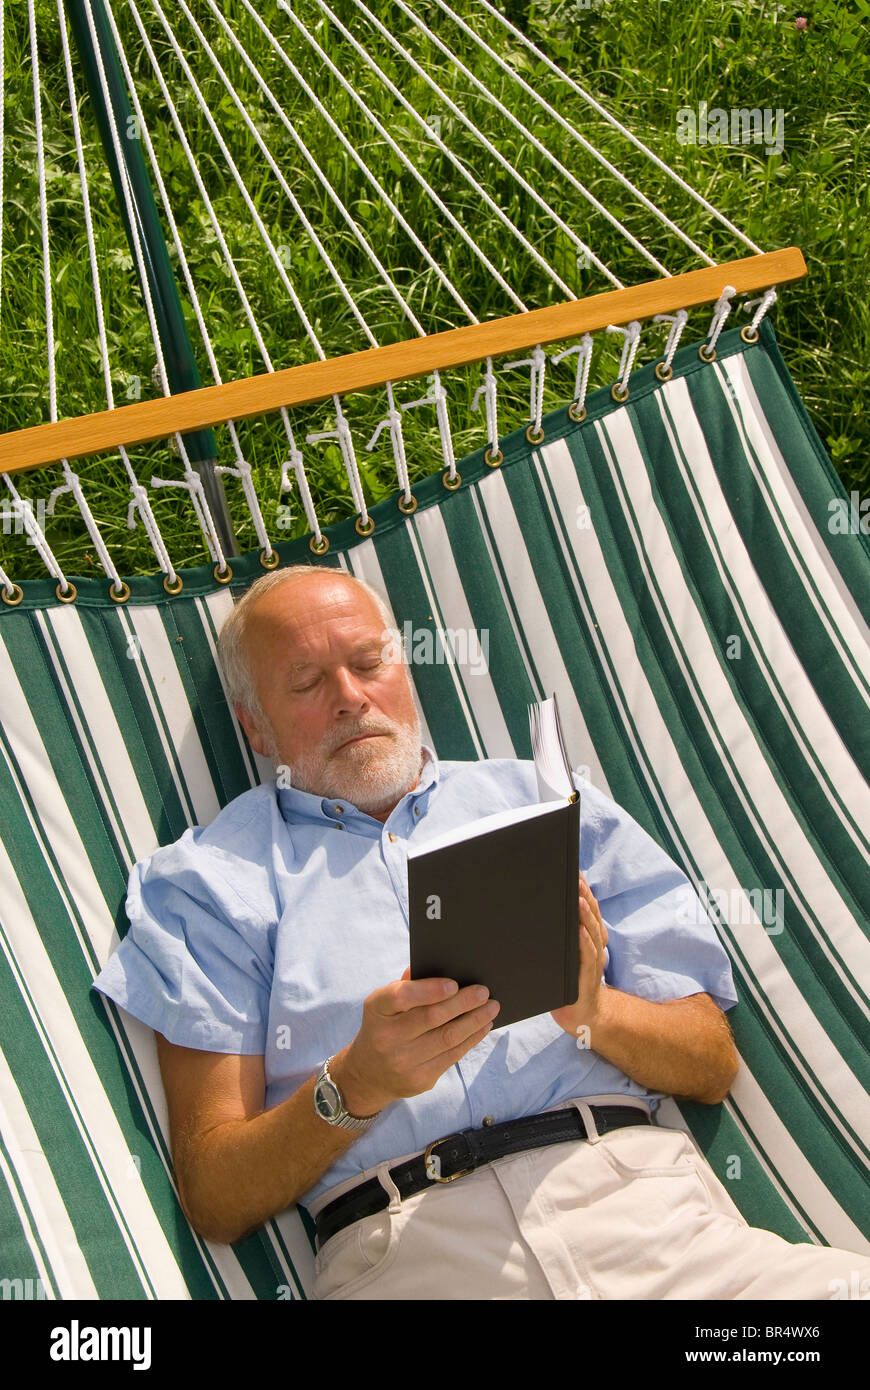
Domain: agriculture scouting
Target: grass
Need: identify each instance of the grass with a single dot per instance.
(645, 62)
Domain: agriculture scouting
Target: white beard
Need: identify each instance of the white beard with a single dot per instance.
(371, 775)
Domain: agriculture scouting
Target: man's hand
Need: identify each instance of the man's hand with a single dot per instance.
(412, 1032)
(682, 1047)
(593, 943)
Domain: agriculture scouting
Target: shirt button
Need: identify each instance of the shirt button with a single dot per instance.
(339, 810)
(488, 1120)
(392, 837)
(416, 810)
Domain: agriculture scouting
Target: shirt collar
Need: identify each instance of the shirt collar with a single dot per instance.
(296, 805)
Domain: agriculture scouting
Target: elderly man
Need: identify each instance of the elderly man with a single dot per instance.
(440, 1155)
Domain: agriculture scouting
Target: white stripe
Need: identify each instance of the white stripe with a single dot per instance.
(158, 658)
(804, 1183)
(787, 1012)
(69, 1270)
(826, 589)
(115, 770)
(55, 827)
(456, 614)
(729, 730)
(219, 606)
(101, 1135)
(822, 744)
(525, 596)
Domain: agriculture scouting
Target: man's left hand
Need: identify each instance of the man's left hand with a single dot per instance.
(593, 944)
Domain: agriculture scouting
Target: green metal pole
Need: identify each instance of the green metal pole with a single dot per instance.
(181, 369)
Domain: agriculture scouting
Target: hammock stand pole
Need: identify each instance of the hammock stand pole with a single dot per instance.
(358, 371)
(181, 369)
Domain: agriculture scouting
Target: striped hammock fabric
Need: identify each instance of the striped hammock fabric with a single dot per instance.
(675, 570)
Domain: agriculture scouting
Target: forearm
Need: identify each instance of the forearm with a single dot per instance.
(237, 1175)
(682, 1047)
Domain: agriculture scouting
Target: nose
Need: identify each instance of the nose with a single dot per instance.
(349, 694)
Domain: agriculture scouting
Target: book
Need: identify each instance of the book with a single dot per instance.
(495, 902)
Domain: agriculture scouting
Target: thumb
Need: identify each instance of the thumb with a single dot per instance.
(406, 973)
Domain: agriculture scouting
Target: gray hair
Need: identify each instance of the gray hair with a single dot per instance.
(232, 651)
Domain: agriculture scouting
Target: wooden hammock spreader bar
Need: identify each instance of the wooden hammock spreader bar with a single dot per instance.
(359, 371)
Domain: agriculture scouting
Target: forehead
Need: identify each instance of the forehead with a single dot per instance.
(315, 614)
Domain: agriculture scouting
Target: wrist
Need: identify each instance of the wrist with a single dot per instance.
(360, 1099)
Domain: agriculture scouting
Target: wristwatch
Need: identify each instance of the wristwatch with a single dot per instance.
(330, 1107)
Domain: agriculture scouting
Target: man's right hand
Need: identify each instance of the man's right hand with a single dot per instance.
(412, 1032)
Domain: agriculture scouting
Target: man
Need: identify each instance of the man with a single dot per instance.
(301, 1063)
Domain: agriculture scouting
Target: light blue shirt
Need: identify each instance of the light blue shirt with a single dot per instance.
(264, 932)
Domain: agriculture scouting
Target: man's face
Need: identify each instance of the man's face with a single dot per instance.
(340, 716)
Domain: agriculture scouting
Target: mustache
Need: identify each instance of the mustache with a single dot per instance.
(360, 726)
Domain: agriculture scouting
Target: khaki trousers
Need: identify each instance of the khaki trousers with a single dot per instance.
(635, 1214)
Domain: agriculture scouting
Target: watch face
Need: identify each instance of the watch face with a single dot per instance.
(326, 1100)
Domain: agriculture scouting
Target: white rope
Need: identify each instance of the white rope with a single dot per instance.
(201, 508)
(630, 344)
(537, 364)
(584, 362)
(687, 188)
(242, 468)
(590, 148)
(295, 461)
(435, 136)
(22, 508)
(489, 392)
(345, 437)
(678, 322)
(393, 422)
(720, 313)
(491, 149)
(533, 139)
(764, 303)
(140, 497)
(437, 396)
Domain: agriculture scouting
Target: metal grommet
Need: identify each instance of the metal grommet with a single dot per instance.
(222, 576)
(15, 597)
(451, 483)
(119, 595)
(67, 595)
(617, 394)
(175, 588)
(319, 549)
(534, 436)
(575, 414)
(494, 460)
(364, 528)
(662, 372)
(747, 334)
(408, 507)
(706, 354)
(270, 562)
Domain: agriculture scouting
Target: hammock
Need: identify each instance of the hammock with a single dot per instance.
(657, 553)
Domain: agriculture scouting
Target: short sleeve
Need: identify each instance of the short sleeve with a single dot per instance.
(196, 963)
(661, 942)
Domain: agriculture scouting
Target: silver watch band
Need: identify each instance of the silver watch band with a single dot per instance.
(329, 1104)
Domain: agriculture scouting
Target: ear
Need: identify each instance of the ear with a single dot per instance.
(252, 730)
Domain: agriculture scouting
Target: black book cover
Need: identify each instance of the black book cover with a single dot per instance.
(500, 908)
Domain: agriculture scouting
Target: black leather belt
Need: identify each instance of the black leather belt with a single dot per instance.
(457, 1154)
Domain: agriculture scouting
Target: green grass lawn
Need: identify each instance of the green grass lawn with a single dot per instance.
(645, 61)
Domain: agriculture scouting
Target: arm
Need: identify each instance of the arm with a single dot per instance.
(683, 1047)
(237, 1164)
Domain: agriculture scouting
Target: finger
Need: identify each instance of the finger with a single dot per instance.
(406, 994)
(459, 1033)
(470, 1007)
